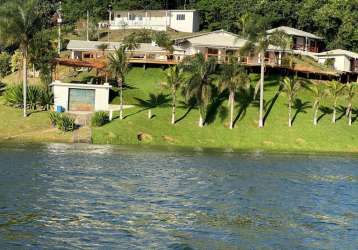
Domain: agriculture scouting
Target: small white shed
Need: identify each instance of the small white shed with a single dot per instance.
(81, 97)
(343, 60)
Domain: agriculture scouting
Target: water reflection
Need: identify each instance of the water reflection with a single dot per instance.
(87, 196)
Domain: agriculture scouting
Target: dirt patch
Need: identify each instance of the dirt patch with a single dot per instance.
(169, 139)
(268, 143)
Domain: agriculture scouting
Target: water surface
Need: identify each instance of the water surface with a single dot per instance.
(85, 196)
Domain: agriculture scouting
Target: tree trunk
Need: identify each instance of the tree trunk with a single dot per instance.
(173, 107)
(334, 111)
(231, 101)
(261, 119)
(121, 100)
(350, 114)
(150, 114)
(24, 81)
(289, 114)
(315, 114)
(201, 120)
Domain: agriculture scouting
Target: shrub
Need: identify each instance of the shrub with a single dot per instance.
(63, 122)
(329, 63)
(54, 118)
(13, 96)
(99, 119)
(35, 96)
(5, 64)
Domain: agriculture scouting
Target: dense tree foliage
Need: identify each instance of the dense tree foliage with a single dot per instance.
(336, 20)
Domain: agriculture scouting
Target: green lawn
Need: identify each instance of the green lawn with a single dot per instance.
(35, 128)
(276, 135)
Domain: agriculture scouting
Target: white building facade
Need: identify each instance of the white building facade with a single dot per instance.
(159, 20)
(342, 60)
(80, 97)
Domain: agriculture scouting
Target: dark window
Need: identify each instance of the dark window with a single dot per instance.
(181, 17)
(131, 17)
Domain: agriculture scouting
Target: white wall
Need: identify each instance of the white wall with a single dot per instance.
(341, 62)
(190, 24)
(61, 94)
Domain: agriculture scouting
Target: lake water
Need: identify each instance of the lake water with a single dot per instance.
(85, 196)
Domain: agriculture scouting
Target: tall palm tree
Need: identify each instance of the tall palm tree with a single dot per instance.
(335, 90)
(199, 85)
(350, 94)
(174, 80)
(259, 42)
(118, 66)
(233, 78)
(319, 92)
(19, 22)
(290, 86)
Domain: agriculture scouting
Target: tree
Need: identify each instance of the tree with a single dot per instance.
(290, 86)
(199, 85)
(319, 92)
(335, 89)
(19, 22)
(118, 66)
(233, 78)
(103, 47)
(259, 42)
(350, 94)
(174, 80)
(5, 67)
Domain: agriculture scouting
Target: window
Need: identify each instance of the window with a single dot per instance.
(181, 17)
(131, 17)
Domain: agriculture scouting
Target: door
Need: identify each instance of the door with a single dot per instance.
(81, 100)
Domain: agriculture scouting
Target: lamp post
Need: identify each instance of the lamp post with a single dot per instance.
(59, 21)
(109, 9)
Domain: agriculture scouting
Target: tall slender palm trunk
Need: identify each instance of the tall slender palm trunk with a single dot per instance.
(261, 118)
(121, 101)
(334, 111)
(315, 113)
(231, 101)
(149, 113)
(201, 120)
(24, 82)
(289, 113)
(173, 107)
(350, 114)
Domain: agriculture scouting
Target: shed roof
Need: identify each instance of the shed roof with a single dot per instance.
(294, 32)
(339, 52)
(219, 39)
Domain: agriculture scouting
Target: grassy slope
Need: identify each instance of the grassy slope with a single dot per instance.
(276, 135)
(35, 128)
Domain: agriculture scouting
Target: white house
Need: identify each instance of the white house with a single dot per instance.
(160, 20)
(80, 97)
(342, 60)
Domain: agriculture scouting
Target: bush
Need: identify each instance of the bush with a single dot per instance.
(329, 63)
(5, 64)
(99, 119)
(35, 96)
(63, 122)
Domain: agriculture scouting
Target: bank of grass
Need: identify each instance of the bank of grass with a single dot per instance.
(276, 135)
(35, 128)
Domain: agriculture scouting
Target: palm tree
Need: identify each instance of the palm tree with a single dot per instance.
(290, 87)
(19, 22)
(103, 47)
(319, 92)
(350, 93)
(174, 80)
(233, 78)
(335, 90)
(259, 42)
(118, 66)
(199, 85)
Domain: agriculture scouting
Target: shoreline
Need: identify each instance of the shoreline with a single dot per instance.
(179, 148)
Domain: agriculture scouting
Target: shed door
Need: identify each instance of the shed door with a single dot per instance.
(81, 99)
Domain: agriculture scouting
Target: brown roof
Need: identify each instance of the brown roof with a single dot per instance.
(98, 64)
